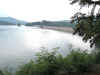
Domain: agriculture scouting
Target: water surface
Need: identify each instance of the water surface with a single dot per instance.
(19, 44)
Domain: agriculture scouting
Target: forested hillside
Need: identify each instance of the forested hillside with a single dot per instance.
(51, 23)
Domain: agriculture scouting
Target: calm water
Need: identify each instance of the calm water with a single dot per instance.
(19, 44)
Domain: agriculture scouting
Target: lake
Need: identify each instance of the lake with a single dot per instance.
(19, 44)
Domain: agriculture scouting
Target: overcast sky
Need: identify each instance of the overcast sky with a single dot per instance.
(37, 10)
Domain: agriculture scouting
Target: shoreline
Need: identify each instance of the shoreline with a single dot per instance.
(62, 29)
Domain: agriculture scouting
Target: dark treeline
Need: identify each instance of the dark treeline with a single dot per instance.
(51, 23)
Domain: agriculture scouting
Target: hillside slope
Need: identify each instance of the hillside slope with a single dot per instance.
(10, 20)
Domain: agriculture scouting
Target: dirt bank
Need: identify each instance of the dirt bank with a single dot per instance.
(64, 29)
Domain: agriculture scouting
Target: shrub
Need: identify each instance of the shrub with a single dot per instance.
(45, 64)
(79, 61)
(51, 63)
(1, 73)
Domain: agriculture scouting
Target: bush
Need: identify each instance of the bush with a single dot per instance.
(96, 53)
(79, 61)
(1, 73)
(49, 63)
(45, 64)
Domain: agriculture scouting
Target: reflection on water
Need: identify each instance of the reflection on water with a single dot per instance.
(19, 44)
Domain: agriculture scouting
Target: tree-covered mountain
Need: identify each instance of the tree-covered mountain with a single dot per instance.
(51, 23)
(10, 21)
(5, 23)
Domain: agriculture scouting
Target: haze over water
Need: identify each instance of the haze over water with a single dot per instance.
(19, 44)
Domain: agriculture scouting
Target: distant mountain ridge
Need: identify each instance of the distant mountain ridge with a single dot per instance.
(13, 21)
(10, 21)
(5, 23)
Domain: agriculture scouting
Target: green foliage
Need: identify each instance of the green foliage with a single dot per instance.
(96, 54)
(44, 65)
(88, 25)
(49, 63)
(27, 69)
(5, 72)
(85, 2)
(52, 63)
(1, 73)
(79, 61)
